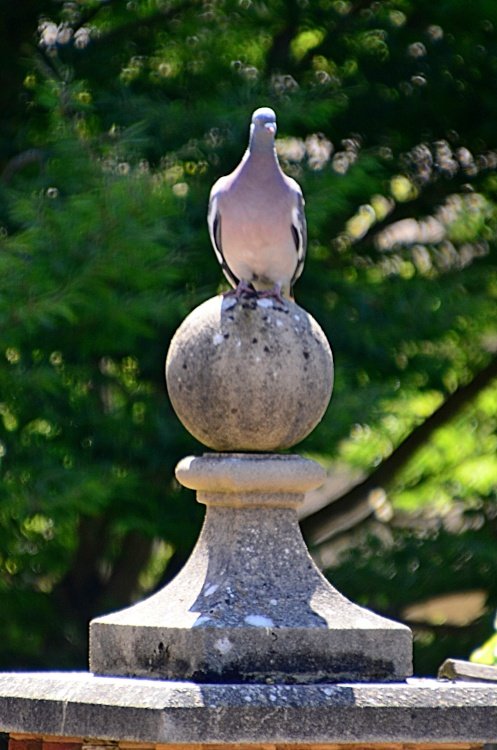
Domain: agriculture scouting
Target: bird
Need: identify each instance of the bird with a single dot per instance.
(256, 219)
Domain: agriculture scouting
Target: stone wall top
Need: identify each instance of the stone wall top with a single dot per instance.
(419, 711)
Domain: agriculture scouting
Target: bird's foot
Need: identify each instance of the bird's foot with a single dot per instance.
(274, 293)
(242, 289)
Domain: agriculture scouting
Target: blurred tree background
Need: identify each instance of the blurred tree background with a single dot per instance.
(117, 117)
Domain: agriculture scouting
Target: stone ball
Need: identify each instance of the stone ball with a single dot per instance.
(249, 375)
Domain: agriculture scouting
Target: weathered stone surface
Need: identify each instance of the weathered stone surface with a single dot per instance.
(252, 375)
(457, 669)
(250, 605)
(250, 479)
(152, 711)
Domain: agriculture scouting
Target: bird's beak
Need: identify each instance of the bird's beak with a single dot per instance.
(270, 127)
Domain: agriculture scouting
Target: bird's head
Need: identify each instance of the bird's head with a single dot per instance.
(263, 126)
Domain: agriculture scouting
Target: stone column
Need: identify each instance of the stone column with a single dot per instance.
(247, 377)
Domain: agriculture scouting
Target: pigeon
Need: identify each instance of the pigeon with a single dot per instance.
(256, 219)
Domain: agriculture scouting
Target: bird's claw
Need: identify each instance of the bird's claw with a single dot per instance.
(245, 290)
(274, 293)
(242, 289)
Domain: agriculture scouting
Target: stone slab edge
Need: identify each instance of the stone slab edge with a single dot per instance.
(153, 711)
(336, 655)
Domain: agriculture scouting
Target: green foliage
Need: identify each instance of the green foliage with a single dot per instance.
(487, 653)
(415, 566)
(118, 117)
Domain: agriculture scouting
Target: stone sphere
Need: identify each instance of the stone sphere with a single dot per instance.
(250, 374)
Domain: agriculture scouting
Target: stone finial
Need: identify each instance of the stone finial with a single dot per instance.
(250, 605)
(252, 375)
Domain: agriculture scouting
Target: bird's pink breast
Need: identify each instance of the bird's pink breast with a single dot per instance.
(257, 241)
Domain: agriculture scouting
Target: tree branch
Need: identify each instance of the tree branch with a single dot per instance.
(328, 521)
(278, 57)
(82, 584)
(18, 162)
(429, 198)
(134, 554)
(92, 13)
(152, 21)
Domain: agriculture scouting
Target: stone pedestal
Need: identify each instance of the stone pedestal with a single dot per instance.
(249, 647)
(250, 605)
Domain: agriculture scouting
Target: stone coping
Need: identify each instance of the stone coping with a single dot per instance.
(420, 711)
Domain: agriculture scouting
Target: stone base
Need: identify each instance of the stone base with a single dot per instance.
(127, 713)
(250, 606)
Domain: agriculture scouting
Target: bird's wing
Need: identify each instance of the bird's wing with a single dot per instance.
(299, 232)
(214, 223)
